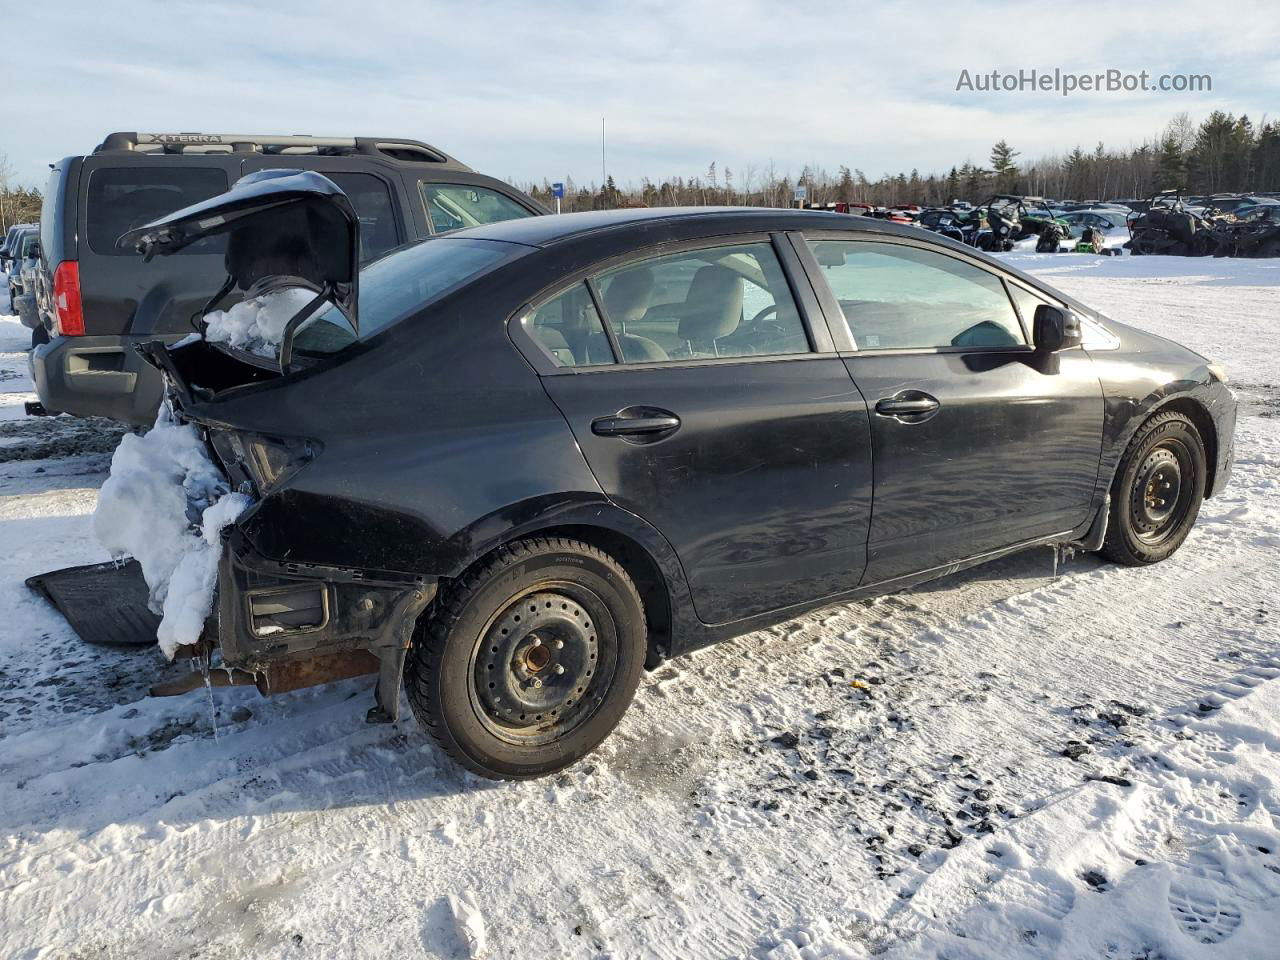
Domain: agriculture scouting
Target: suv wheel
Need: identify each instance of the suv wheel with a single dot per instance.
(1157, 492)
(529, 660)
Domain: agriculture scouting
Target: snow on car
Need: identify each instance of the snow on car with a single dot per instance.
(1026, 760)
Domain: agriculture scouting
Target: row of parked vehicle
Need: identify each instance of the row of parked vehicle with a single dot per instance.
(90, 300)
(1225, 225)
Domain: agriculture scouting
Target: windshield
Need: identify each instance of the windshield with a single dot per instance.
(401, 284)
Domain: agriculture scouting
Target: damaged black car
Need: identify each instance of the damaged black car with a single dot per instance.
(510, 467)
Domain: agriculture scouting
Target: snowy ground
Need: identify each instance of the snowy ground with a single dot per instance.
(1006, 764)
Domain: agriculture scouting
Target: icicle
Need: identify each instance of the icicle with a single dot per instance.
(1057, 550)
(208, 687)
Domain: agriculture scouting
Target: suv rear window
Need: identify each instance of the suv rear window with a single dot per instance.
(121, 198)
(453, 206)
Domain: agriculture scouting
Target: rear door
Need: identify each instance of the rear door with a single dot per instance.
(374, 190)
(979, 442)
(706, 403)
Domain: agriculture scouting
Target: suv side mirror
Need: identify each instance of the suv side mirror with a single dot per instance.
(1056, 329)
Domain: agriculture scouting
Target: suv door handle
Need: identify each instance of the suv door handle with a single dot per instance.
(638, 424)
(910, 406)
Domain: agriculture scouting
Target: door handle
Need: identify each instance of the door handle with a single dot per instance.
(650, 425)
(633, 426)
(911, 406)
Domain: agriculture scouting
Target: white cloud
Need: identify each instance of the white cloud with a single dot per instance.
(518, 90)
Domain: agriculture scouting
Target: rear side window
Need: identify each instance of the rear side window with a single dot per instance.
(371, 198)
(896, 297)
(122, 198)
(721, 302)
(568, 329)
(453, 206)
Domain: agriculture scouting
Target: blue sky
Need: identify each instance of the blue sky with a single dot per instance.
(518, 89)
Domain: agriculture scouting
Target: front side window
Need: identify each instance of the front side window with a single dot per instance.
(122, 198)
(897, 297)
(371, 198)
(453, 206)
(721, 302)
(568, 329)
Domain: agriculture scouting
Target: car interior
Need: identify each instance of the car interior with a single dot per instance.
(708, 304)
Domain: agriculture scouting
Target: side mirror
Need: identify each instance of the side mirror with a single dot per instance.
(1056, 329)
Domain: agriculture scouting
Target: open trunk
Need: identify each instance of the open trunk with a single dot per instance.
(277, 623)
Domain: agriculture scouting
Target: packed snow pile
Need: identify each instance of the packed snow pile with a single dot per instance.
(164, 504)
(256, 325)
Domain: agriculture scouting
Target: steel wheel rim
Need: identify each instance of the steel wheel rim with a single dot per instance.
(544, 664)
(1162, 491)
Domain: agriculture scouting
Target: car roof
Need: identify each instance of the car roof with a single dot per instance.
(546, 231)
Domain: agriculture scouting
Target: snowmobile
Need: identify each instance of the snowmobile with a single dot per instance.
(1167, 227)
(1257, 234)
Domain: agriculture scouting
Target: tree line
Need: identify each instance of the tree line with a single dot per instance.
(1222, 154)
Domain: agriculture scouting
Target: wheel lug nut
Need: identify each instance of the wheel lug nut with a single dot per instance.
(558, 644)
(559, 669)
(537, 682)
(536, 641)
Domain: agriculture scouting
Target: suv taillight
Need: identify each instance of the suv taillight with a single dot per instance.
(68, 313)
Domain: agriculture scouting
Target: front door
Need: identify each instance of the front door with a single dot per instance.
(978, 442)
(702, 406)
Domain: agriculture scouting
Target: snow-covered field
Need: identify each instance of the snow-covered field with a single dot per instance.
(1007, 764)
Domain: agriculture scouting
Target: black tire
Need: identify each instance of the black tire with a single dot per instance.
(551, 611)
(39, 335)
(1165, 462)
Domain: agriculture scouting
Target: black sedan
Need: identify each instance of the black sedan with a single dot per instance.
(522, 461)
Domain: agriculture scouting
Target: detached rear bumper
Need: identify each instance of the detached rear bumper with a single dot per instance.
(271, 615)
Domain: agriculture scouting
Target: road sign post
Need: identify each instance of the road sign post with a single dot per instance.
(801, 193)
(557, 191)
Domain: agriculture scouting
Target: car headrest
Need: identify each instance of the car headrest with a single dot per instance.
(829, 254)
(713, 306)
(628, 295)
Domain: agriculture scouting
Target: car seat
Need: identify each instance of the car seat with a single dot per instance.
(712, 309)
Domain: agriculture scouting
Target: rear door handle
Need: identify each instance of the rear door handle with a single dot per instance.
(912, 406)
(637, 424)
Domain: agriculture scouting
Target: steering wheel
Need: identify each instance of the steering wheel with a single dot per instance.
(754, 322)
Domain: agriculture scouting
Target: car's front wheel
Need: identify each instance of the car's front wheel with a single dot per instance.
(529, 660)
(1156, 495)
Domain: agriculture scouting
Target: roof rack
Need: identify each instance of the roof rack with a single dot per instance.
(390, 148)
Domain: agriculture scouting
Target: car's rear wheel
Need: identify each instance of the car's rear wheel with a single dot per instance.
(1157, 492)
(529, 660)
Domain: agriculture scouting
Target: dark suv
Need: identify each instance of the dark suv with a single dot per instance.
(97, 297)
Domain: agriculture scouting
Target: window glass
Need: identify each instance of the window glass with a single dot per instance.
(122, 198)
(371, 198)
(568, 328)
(1027, 303)
(729, 301)
(402, 284)
(899, 297)
(452, 206)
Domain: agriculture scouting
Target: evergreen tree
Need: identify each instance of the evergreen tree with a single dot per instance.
(1002, 165)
